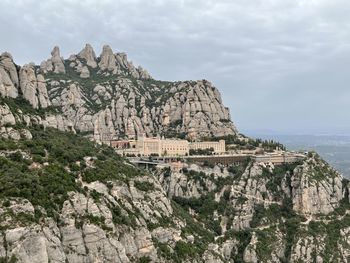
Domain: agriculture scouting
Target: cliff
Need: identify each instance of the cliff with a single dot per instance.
(107, 97)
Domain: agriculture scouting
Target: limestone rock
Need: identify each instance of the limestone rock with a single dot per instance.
(85, 73)
(42, 94)
(89, 55)
(308, 249)
(33, 87)
(29, 84)
(9, 82)
(316, 187)
(6, 116)
(249, 255)
(143, 73)
(134, 106)
(107, 59)
(55, 63)
(10, 133)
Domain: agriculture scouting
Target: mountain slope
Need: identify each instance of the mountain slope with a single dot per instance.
(107, 97)
(54, 210)
(65, 199)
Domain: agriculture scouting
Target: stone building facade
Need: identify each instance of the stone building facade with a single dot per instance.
(166, 147)
(219, 147)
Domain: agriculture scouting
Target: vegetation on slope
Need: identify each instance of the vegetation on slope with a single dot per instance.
(44, 169)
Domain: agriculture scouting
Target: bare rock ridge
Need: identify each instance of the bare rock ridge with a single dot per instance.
(108, 97)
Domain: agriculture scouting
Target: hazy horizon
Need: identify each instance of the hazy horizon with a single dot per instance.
(281, 66)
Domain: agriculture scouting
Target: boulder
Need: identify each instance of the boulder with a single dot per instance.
(84, 73)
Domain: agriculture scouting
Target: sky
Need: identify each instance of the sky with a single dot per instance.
(282, 66)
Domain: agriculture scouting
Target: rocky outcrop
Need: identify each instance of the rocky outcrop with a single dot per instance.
(88, 230)
(9, 82)
(6, 116)
(192, 108)
(29, 84)
(126, 66)
(308, 249)
(249, 255)
(33, 87)
(107, 60)
(316, 187)
(54, 64)
(42, 94)
(84, 73)
(120, 100)
(88, 54)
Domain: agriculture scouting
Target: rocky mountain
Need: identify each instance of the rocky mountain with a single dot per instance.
(65, 198)
(107, 97)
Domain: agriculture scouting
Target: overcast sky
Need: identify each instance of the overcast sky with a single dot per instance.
(281, 65)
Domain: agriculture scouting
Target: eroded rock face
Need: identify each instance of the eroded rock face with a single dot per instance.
(88, 54)
(79, 238)
(308, 249)
(114, 99)
(85, 73)
(9, 82)
(33, 87)
(6, 116)
(43, 97)
(29, 84)
(192, 108)
(107, 59)
(316, 187)
(55, 63)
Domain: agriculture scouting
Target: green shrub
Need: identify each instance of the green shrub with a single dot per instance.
(184, 250)
(144, 186)
(16, 156)
(144, 259)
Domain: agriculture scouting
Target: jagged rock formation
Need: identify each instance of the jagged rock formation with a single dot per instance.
(55, 63)
(6, 116)
(9, 82)
(78, 240)
(33, 87)
(316, 188)
(296, 213)
(108, 60)
(89, 55)
(108, 97)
